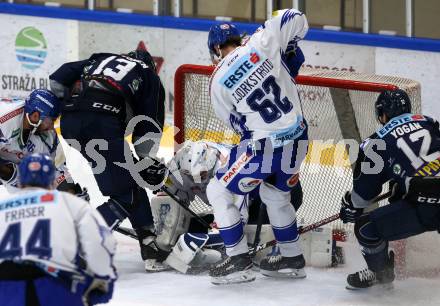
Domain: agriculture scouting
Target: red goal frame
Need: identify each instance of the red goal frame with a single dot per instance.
(179, 89)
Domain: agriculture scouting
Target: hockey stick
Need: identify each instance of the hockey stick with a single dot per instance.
(182, 204)
(126, 231)
(261, 213)
(313, 226)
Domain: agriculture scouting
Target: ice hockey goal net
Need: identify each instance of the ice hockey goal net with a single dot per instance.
(337, 105)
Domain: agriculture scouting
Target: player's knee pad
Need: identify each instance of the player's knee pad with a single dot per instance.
(170, 220)
(367, 235)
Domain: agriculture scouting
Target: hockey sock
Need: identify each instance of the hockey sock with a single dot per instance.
(282, 217)
(374, 249)
(228, 218)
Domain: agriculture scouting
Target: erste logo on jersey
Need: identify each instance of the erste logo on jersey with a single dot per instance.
(29, 200)
(242, 67)
(398, 121)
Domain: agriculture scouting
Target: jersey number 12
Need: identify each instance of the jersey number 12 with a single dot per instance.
(418, 160)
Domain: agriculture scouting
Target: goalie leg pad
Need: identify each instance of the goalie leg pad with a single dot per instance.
(170, 221)
(185, 250)
(317, 246)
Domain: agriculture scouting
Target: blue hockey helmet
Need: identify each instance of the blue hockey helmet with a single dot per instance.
(44, 102)
(36, 170)
(392, 103)
(219, 34)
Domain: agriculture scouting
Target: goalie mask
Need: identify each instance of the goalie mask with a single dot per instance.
(197, 160)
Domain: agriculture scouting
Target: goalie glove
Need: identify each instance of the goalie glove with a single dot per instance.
(349, 213)
(174, 187)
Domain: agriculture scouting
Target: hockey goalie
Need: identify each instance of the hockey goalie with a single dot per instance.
(192, 246)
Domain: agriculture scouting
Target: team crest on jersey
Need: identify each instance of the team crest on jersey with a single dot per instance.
(397, 169)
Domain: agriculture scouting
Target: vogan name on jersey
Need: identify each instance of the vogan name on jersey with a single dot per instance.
(398, 121)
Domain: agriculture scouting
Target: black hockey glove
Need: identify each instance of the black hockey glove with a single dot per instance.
(348, 213)
(155, 174)
(74, 189)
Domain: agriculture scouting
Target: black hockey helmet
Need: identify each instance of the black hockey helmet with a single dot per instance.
(144, 56)
(392, 103)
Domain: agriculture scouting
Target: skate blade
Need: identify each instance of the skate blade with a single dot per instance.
(285, 273)
(389, 286)
(234, 278)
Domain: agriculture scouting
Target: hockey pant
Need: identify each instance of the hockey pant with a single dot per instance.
(276, 174)
(101, 140)
(23, 285)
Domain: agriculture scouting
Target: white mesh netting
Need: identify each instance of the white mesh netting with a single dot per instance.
(333, 114)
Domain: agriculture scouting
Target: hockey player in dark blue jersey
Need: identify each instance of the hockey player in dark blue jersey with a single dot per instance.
(106, 98)
(406, 152)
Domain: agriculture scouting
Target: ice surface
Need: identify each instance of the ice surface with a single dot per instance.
(321, 287)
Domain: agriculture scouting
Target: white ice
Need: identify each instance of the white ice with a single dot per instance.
(326, 287)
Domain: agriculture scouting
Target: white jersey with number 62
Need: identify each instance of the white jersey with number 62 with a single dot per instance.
(251, 88)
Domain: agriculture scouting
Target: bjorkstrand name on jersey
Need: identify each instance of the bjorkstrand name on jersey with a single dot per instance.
(248, 84)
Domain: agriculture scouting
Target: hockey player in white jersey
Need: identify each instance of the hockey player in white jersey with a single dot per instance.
(42, 234)
(26, 127)
(253, 90)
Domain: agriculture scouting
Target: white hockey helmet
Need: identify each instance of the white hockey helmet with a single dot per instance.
(197, 159)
